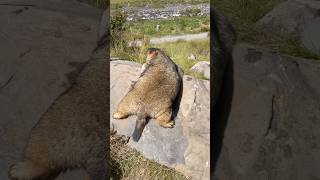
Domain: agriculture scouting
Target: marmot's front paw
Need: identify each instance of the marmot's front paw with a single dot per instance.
(119, 115)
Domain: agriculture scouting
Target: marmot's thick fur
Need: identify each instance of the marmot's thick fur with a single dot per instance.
(153, 94)
(73, 131)
(223, 38)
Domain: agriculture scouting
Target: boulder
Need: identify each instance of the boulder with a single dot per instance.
(301, 18)
(185, 147)
(202, 67)
(272, 125)
(43, 45)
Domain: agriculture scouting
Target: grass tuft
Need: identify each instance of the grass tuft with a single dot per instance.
(181, 50)
(244, 14)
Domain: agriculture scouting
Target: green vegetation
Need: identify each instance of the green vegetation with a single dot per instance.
(122, 32)
(173, 26)
(244, 14)
(152, 3)
(179, 52)
(127, 163)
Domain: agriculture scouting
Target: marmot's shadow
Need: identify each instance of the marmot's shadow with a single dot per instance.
(221, 113)
(176, 103)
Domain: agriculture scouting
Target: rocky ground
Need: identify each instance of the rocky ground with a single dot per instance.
(185, 147)
(174, 10)
(267, 120)
(266, 125)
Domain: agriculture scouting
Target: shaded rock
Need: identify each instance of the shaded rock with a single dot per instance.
(103, 34)
(273, 129)
(104, 25)
(202, 67)
(43, 45)
(184, 147)
(298, 17)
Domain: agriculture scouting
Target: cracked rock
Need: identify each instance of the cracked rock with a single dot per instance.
(272, 131)
(185, 147)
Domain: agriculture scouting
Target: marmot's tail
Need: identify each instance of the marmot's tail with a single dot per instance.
(140, 124)
(25, 170)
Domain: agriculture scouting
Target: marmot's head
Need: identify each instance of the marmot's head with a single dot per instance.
(152, 53)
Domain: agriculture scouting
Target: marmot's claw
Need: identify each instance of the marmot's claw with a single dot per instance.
(169, 125)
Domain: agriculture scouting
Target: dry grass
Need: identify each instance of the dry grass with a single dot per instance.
(127, 163)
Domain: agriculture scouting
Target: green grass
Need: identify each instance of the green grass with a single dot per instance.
(178, 51)
(152, 3)
(244, 14)
(127, 163)
(123, 32)
(173, 26)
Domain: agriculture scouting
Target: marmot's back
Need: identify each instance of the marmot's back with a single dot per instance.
(154, 92)
(158, 86)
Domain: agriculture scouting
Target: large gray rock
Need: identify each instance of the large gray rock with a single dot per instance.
(272, 131)
(300, 18)
(184, 147)
(43, 46)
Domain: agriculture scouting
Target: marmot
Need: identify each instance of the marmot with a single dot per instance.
(73, 132)
(153, 94)
(223, 38)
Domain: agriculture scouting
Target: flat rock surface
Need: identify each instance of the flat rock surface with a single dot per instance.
(273, 127)
(43, 46)
(184, 147)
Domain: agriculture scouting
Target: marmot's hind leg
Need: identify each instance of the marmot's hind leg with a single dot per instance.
(123, 110)
(164, 119)
(28, 170)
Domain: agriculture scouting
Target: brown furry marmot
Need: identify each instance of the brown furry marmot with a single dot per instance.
(153, 94)
(72, 133)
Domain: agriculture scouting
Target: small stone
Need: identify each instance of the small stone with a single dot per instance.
(157, 27)
(192, 57)
(202, 67)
